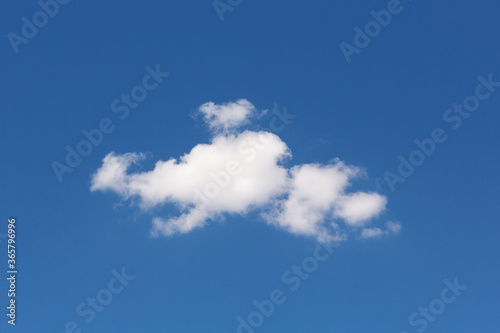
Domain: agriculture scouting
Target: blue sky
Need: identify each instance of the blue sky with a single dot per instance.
(73, 241)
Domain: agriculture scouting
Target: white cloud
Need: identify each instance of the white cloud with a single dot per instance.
(391, 228)
(239, 172)
(314, 189)
(371, 232)
(228, 116)
(357, 208)
(113, 173)
(229, 175)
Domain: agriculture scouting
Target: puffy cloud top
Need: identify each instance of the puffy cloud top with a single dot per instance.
(229, 116)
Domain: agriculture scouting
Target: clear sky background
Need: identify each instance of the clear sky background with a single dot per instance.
(366, 112)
